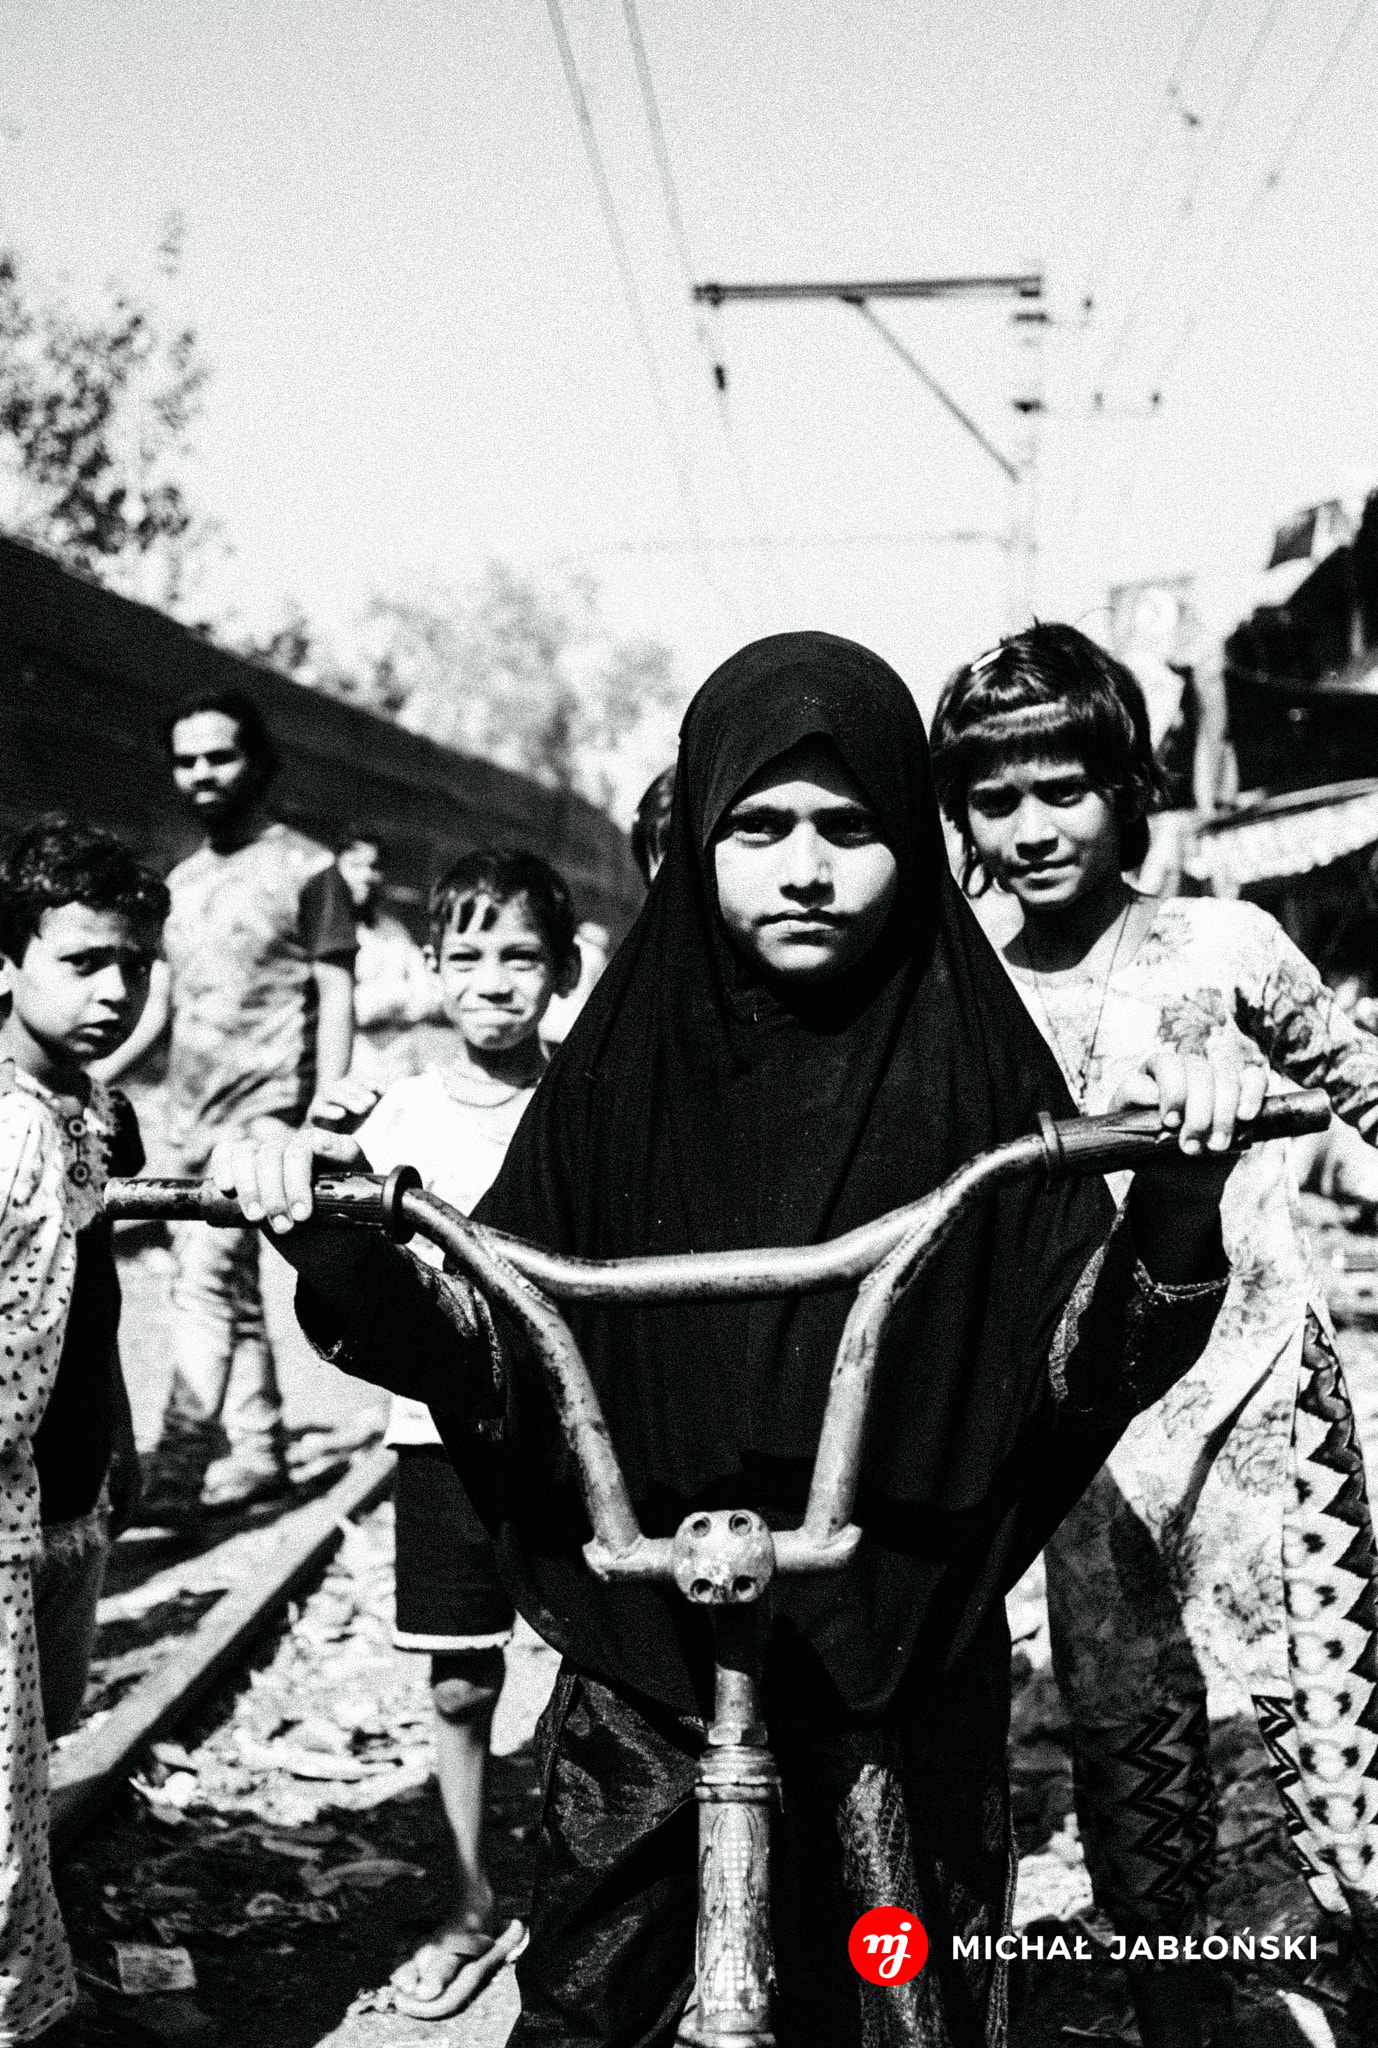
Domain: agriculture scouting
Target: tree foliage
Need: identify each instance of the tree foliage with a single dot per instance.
(93, 414)
(520, 668)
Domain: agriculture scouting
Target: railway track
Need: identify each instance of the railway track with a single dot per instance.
(253, 1824)
(95, 1763)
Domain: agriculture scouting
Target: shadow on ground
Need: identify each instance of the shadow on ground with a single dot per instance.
(281, 1946)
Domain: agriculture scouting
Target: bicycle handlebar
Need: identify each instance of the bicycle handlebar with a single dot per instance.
(1076, 1145)
(884, 1256)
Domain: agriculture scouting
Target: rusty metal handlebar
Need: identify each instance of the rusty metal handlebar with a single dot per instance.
(884, 1256)
(1076, 1145)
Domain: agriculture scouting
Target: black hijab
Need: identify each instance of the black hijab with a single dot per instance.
(695, 1107)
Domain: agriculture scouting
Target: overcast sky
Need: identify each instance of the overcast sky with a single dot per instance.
(423, 356)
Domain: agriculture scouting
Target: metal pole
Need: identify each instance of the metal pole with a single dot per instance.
(1023, 285)
(931, 384)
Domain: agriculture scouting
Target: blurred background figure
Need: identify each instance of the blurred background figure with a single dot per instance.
(651, 825)
(393, 989)
(257, 996)
(1157, 634)
(595, 949)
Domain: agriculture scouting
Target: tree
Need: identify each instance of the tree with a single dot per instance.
(93, 414)
(521, 669)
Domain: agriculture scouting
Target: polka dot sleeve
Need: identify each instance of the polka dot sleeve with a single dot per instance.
(37, 1270)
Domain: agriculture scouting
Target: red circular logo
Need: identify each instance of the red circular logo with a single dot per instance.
(888, 1945)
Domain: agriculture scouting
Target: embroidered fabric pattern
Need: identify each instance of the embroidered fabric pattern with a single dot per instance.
(1226, 1546)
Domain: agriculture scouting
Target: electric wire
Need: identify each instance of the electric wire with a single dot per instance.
(1144, 155)
(1117, 215)
(962, 536)
(1263, 191)
(1234, 99)
(635, 308)
(679, 236)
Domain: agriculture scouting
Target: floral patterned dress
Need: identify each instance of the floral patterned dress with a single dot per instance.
(1226, 1549)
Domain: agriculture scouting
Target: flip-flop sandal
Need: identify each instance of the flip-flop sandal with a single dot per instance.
(477, 1970)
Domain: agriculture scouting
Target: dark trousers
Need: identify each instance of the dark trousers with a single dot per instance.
(913, 1812)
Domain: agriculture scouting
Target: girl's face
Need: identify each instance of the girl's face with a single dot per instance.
(805, 881)
(1044, 832)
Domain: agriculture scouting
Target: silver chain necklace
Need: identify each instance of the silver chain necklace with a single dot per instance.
(1083, 1073)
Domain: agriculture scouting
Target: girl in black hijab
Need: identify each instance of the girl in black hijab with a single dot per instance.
(804, 1029)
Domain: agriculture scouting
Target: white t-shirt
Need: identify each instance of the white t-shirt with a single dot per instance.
(454, 1128)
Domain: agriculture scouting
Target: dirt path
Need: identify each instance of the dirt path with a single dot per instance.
(291, 1841)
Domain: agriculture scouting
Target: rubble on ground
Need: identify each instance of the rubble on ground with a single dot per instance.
(288, 1849)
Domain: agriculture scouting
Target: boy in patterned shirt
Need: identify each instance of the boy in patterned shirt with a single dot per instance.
(80, 922)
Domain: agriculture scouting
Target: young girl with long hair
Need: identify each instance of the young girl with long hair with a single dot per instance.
(1226, 1548)
(804, 1029)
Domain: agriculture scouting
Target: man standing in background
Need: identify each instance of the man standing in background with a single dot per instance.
(258, 992)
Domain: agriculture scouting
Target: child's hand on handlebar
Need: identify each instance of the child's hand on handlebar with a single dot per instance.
(270, 1172)
(1175, 1202)
(1204, 1095)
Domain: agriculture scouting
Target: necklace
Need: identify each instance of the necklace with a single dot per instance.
(1083, 1072)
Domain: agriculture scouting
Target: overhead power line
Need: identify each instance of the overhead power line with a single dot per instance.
(658, 143)
(1233, 101)
(741, 543)
(679, 235)
(1167, 100)
(631, 292)
(1264, 190)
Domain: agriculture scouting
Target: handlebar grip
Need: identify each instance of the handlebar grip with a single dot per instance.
(364, 1198)
(341, 1197)
(1105, 1144)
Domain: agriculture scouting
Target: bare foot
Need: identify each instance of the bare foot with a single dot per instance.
(449, 1971)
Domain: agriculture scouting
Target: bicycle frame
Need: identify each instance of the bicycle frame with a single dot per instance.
(726, 1559)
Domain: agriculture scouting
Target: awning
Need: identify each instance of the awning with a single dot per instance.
(1277, 837)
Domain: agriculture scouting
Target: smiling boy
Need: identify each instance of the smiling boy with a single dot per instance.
(502, 947)
(79, 927)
